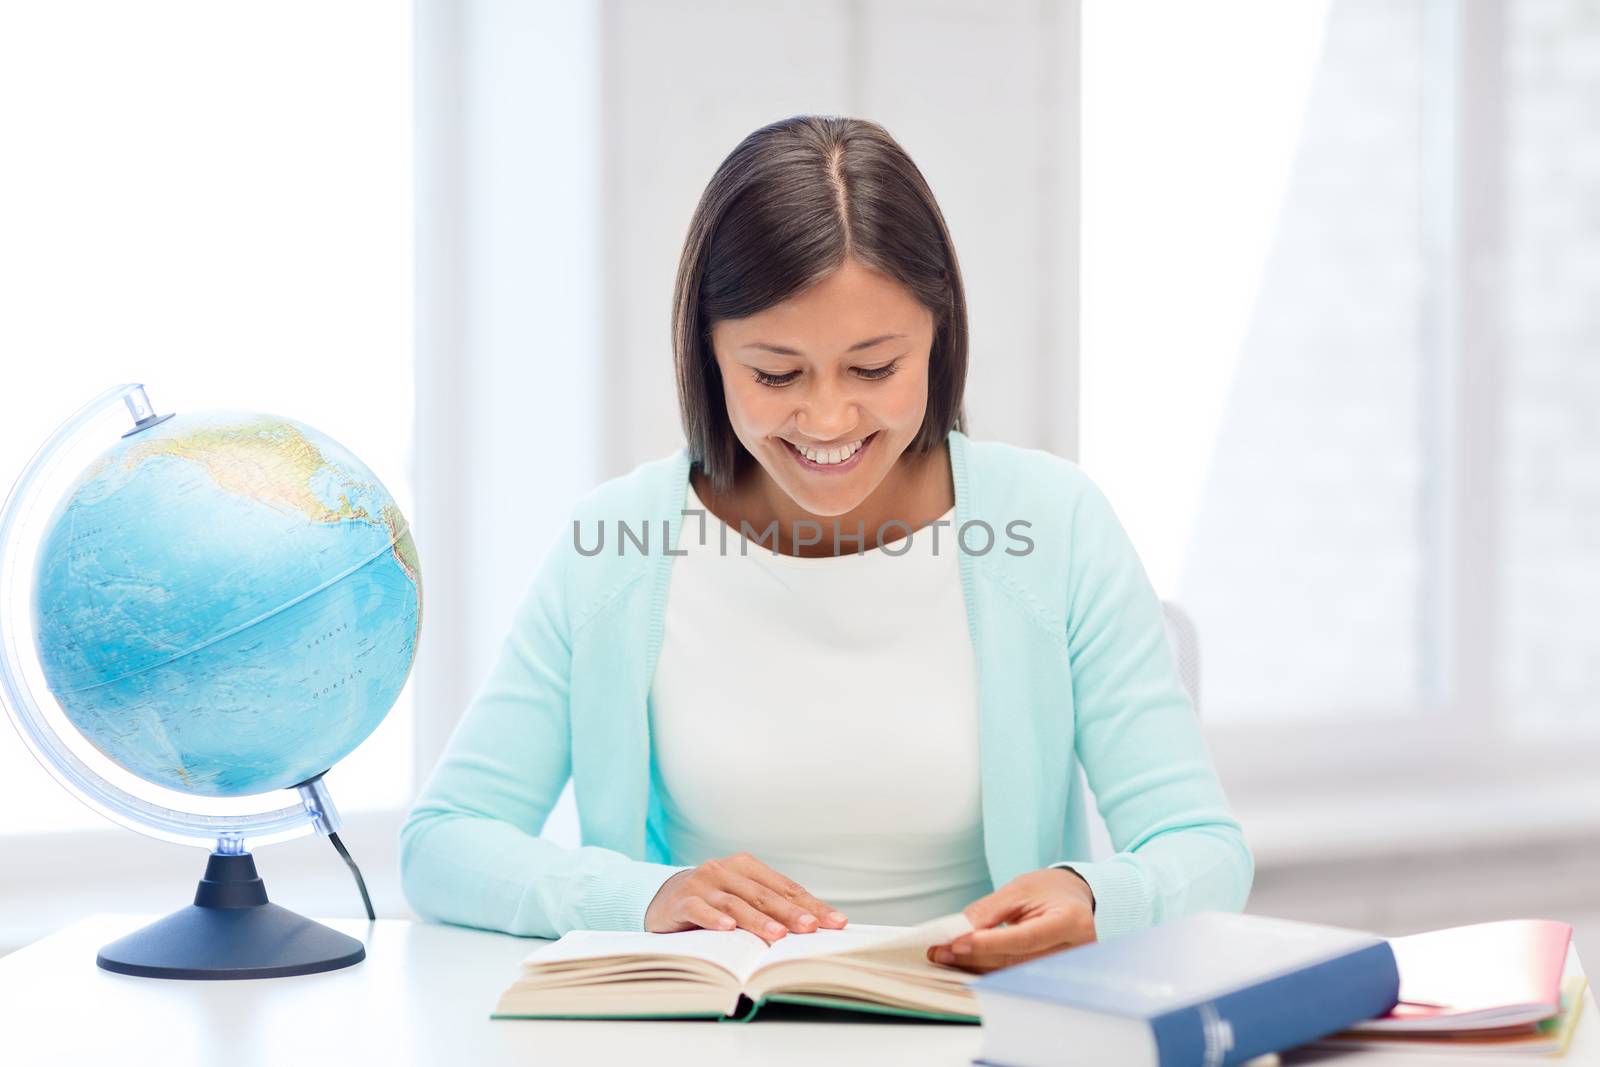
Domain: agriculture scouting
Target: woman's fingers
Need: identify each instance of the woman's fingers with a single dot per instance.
(697, 912)
(1000, 906)
(1006, 940)
(766, 898)
(826, 915)
(771, 902)
(759, 923)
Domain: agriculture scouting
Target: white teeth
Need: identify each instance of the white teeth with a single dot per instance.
(829, 457)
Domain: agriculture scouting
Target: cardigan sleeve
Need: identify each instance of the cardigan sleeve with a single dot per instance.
(470, 850)
(1179, 849)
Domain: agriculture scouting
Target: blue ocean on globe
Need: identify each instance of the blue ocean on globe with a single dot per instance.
(227, 603)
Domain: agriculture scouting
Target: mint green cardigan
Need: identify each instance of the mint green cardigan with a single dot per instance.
(1073, 668)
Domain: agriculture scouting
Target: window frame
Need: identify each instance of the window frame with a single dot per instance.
(1459, 735)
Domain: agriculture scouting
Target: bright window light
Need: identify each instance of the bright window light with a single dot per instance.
(1252, 293)
(215, 200)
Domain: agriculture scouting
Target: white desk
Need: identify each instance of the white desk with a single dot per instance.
(423, 996)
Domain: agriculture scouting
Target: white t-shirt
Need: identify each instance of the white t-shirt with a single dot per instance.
(822, 714)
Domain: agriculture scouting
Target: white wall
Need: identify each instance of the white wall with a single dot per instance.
(246, 244)
(508, 319)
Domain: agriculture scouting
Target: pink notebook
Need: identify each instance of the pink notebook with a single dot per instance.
(1478, 977)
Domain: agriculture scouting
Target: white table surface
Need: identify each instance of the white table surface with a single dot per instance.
(423, 996)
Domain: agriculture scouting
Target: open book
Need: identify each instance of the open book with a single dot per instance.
(729, 974)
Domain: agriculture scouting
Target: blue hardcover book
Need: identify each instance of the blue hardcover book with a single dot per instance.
(1209, 990)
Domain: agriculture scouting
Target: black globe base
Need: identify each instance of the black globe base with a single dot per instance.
(231, 931)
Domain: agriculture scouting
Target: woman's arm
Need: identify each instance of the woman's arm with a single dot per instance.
(1179, 848)
(470, 851)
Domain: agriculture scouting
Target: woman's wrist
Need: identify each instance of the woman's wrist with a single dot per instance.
(1074, 872)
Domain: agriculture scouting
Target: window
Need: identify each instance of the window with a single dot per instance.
(214, 200)
(1339, 371)
(1549, 463)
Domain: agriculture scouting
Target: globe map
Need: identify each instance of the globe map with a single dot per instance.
(227, 603)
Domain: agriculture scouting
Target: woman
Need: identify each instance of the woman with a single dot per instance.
(802, 703)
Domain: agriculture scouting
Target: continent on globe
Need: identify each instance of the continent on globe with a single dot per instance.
(227, 603)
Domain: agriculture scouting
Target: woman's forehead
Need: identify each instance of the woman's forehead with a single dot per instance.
(845, 313)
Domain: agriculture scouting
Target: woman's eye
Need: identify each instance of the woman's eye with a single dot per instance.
(879, 373)
(873, 374)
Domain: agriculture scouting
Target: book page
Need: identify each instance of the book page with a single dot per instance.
(886, 966)
(742, 953)
(905, 944)
(736, 951)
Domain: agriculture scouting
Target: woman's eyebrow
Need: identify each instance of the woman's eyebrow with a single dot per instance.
(858, 346)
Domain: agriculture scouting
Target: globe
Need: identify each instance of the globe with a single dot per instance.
(222, 604)
(226, 603)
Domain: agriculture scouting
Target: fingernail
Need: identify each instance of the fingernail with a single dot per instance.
(962, 947)
(725, 922)
(836, 916)
(774, 928)
(942, 955)
(808, 920)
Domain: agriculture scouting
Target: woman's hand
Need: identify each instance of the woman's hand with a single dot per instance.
(737, 891)
(1044, 912)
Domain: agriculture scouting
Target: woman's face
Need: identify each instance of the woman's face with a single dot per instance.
(841, 363)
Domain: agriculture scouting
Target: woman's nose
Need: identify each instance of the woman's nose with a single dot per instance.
(827, 415)
(828, 428)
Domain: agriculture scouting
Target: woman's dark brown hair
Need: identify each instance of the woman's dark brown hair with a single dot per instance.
(783, 211)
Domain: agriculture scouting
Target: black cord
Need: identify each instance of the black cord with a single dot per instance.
(361, 883)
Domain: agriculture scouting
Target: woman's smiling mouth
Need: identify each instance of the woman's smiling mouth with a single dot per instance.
(836, 460)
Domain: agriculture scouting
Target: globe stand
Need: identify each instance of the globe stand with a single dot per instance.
(231, 931)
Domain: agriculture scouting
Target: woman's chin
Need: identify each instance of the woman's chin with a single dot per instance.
(827, 502)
